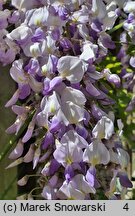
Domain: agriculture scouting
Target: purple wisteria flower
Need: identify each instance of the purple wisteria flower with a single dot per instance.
(65, 96)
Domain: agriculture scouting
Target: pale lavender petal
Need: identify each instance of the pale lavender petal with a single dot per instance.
(13, 100)
(132, 61)
(96, 153)
(45, 170)
(97, 112)
(86, 117)
(124, 180)
(55, 82)
(11, 129)
(53, 181)
(17, 152)
(36, 157)
(24, 91)
(14, 17)
(114, 79)
(29, 132)
(46, 87)
(69, 172)
(54, 166)
(45, 156)
(104, 128)
(19, 110)
(29, 155)
(55, 34)
(90, 178)
(96, 25)
(23, 181)
(106, 41)
(81, 130)
(48, 193)
(79, 182)
(91, 89)
(55, 125)
(38, 36)
(48, 140)
(33, 67)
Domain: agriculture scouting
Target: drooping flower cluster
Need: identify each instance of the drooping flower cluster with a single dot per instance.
(57, 50)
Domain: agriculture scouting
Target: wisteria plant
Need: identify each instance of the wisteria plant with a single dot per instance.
(66, 98)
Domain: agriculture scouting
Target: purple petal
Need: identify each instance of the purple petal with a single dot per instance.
(53, 181)
(33, 66)
(55, 125)
(107, 41)
(114, 79)
(38, 36)
(19, 110)
(29, 132)
(63, 12)
(24, 91)
(55, 34)
(91, 89)
(17, 152)
(82, 131)
(14, 17)
(97, 112)
(86, 118)
(45, 156)
(65, 43)
(54, 166)
(90, 178)
(96, 25)
(69, 172)
(46, 86)
(55, 82)
(30, 154)
(124, 180)
(54, 61)
(13, 100)
(49, 140)
(11, 129)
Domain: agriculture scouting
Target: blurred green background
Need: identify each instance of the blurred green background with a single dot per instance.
(8, 186)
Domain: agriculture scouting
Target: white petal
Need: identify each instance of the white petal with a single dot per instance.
(20, 33)
(60, 115)
(129, 7)
(73, 95)
(103, 129)
(35, 85)
(96, 153)
(52, 104)
(17, 72)
(37, 17)
(71, 68)
(123, 158)
(73, 113)
(98, 8)
(72, 136)
(89, 51)
(23, 4)
(79, 183)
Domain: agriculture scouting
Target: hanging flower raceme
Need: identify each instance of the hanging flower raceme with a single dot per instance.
(63, 97)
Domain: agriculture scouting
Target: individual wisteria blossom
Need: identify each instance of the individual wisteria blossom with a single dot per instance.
(70, 148)
(58, 52)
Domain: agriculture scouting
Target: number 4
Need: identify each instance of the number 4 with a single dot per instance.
(126, 207)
